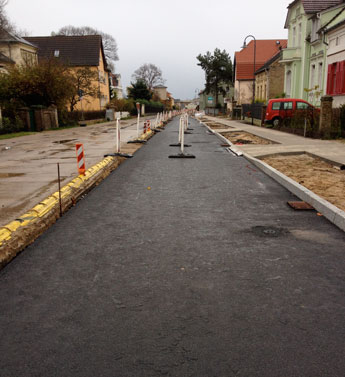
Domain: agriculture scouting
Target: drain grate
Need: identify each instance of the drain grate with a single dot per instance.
(269, 231)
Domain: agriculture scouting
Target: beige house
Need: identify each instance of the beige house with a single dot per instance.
(269, 79)
(79, 52)
(160, 91)
(15, 50)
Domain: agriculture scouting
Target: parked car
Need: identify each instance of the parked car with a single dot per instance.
(280, 109)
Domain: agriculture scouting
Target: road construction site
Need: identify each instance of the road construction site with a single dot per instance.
(178, 267)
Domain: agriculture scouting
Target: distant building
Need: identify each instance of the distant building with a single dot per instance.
(160, 91)
(79, 52)
(269, 79)
(116, 85)
(15, 50)
(244, 65)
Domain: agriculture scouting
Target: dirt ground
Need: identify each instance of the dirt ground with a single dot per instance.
(217, 126)
(242, 137)
(28, 164)
(322, 178)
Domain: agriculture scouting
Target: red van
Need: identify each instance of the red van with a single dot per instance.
(284, 108)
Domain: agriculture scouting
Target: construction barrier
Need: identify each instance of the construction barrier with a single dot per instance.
(80, 158)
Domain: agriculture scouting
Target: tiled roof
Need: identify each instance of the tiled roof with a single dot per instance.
(6, 36)
(314, 6)
(74, 50)
(5, 59)
(269, 62)
(265, 50)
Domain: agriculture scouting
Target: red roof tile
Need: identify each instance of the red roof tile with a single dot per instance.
(265, 50)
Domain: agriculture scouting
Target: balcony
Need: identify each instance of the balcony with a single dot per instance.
(291, 54)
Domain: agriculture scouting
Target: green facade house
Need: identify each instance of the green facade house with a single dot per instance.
(305, 57)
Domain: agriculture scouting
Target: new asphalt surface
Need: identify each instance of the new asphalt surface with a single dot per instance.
(178, 267)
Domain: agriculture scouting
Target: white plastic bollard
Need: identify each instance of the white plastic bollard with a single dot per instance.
(118, 136)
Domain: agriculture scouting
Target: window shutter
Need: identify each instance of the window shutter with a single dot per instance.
(342, 77)
(329, 79)
(338, 79)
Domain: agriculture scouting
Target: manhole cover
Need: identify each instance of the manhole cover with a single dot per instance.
(269, 231)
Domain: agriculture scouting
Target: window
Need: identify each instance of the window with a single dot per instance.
(312, 76)
(301, 105)
(294, 36)
(288, 105)
(288, 84)
(336, 78)
(319, 81)
(276, 105)
(28, 57)
(299, 37)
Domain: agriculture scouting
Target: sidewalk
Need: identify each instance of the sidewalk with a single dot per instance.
(330, 150)
(28, 164)
(178, 267)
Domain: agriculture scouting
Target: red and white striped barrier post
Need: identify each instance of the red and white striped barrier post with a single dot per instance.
(148, 126)
(80, 158)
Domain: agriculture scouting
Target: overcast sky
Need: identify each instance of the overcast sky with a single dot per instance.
(169, 34)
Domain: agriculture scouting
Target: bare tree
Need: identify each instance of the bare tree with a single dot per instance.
(4, 21)
(150, 74)
(109, 42)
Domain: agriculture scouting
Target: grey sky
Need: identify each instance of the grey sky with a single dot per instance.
(168, 34)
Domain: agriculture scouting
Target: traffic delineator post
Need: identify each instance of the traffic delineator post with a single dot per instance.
(181, 143)
(118, 144)
(80, 158)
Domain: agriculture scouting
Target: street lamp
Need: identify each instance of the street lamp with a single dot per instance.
(244, 46)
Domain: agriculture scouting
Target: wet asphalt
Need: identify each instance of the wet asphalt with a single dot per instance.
(178, 267)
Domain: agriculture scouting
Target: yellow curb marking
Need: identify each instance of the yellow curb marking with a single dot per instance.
(43, 207)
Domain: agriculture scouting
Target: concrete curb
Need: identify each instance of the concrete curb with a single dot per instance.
(334, 214)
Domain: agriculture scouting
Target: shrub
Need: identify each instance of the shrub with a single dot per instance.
(8, 125)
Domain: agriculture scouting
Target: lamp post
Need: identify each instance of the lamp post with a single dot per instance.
(244, 46)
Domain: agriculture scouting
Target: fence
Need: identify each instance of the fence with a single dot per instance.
(252, 110)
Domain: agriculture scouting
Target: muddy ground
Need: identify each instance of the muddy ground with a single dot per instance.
(242, 137)
(322, 178)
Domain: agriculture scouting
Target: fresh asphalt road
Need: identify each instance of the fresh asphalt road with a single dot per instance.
(208, 273)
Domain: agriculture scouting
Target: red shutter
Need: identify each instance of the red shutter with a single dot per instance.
(338, 87)
(342, 77)
(329, 79)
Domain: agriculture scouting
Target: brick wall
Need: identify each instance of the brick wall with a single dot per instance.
(276, 80)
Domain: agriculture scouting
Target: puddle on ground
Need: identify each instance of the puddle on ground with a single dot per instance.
(64, 141)
(11, 175)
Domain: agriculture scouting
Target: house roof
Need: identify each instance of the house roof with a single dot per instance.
(8, 37)
(81, 50)
(265, 50)
(269, 62)
(312, 7)
(5, 59)
(341, 23)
